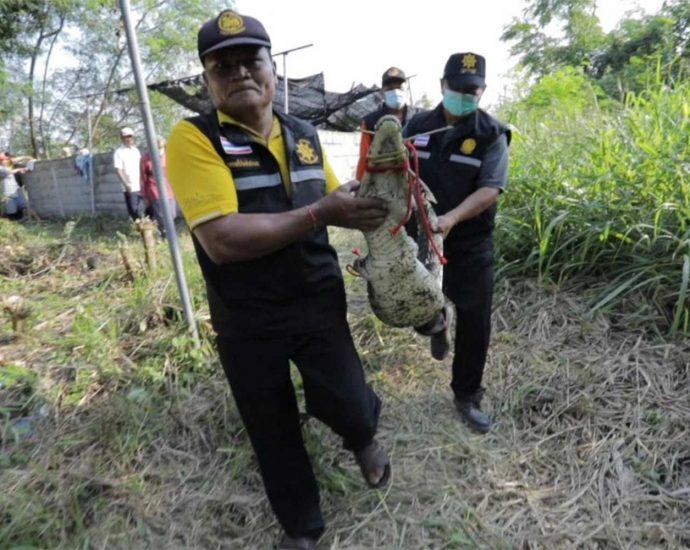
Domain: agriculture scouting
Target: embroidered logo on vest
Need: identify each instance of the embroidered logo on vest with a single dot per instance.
(306, 153)
(468, 146)
(243, 163)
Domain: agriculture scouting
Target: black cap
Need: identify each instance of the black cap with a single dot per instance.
(465, 69)
(393, 75)
(229, 29)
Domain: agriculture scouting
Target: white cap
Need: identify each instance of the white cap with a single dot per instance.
(126, 131)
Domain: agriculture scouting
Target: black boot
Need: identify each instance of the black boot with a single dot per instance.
(296, 543)
(469, 407)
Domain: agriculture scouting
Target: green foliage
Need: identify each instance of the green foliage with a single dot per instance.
(567, 89)
(620, 61)
(541, 53)
(602, 196)
(88, 89)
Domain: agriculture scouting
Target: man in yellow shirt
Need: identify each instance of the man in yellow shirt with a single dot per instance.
(258, 193)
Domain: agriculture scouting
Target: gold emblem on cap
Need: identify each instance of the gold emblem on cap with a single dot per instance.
(393, 72)
(230, 22)
(468, 146)
(306, 153)
(469, 61)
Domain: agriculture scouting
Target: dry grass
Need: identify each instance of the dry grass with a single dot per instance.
(591, 446)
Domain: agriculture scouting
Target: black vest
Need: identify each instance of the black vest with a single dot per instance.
(449, 164)
(298, 288)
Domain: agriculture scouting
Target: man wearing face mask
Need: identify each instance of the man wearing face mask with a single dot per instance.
(394, 103)
(465, 165)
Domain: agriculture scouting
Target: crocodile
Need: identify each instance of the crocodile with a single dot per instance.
(403, 278)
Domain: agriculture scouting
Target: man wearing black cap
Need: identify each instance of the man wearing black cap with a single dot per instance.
(394, 97)
(258, 193)
(466, 167)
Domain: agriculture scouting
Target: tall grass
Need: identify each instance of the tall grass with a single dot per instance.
(600, 197)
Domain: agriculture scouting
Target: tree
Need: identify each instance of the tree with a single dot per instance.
(621, 61)
(76, 98)
(541, 53)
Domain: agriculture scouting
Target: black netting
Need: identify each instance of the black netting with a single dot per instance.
(307, 97)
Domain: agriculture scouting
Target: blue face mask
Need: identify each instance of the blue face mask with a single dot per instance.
(394, 99)
(459, 104)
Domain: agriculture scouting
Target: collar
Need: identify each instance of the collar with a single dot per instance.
(275, 128)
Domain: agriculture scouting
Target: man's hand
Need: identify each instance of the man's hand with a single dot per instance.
(124, 179)
(444, 225)
(344, 209)
(472, 206)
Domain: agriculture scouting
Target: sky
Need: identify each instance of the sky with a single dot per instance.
(355, 41)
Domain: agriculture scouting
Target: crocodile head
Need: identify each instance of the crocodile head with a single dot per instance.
(387, 148)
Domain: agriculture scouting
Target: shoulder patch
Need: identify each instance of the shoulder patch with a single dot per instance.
(305, 152)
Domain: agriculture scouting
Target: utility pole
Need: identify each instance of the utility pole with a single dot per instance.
(285, 53)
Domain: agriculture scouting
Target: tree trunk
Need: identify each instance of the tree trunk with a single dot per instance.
(55, 35)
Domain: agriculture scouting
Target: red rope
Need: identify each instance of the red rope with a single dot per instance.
(417, 186)
(413, 186)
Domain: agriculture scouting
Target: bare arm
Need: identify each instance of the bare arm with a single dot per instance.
(239, 237)
(123, 178)
(472, 206)
(21, 159)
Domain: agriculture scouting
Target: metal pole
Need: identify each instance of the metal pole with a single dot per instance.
(409, 88)
(285, 76)
(88, 122)
(285, 82)
(133, 47)
(90, 149)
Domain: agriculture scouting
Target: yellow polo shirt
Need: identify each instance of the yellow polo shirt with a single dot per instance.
(202, 182)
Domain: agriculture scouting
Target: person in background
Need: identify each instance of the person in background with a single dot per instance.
(258, 193)
(466, 168)
(20, 161)
(126, 160)
(21, 164)
(14, 204)
(394, 94)
(149, 187)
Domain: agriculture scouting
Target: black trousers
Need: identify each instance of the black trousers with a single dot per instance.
(155, 211)
(134, 204)
(468, 281)
(335, 392)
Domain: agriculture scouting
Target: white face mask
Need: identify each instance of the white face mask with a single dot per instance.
(394, 99)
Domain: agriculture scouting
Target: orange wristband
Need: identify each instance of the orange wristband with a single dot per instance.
(312, 217)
